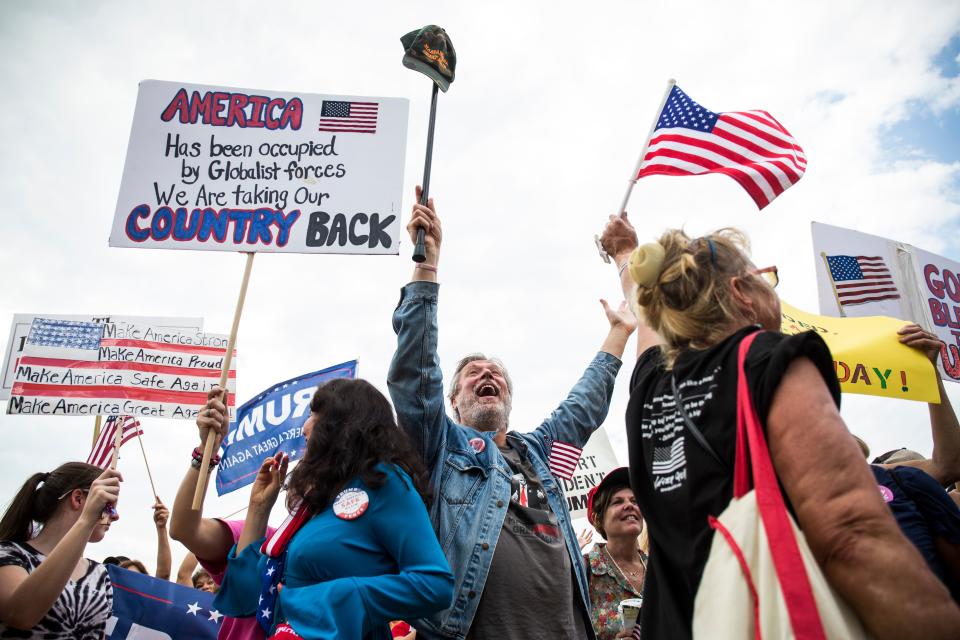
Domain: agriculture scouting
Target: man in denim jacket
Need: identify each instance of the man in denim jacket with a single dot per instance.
(499, 513)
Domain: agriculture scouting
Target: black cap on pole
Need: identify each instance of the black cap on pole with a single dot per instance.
(429, 51)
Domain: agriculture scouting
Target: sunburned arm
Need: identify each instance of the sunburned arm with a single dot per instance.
(849, 528)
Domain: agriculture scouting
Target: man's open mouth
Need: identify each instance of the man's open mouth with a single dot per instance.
(487, 389)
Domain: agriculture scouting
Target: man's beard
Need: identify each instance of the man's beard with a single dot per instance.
(486, 417)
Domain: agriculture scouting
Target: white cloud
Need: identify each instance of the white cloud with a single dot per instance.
(535, 142)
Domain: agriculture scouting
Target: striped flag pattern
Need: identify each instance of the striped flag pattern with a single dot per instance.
(749, 146)
(861, 279)
(349, 117)
(563, 459)
(76, 366)
(276, 544)
(102, 452)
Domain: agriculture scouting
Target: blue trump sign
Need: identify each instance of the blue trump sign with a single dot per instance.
(148, 608)
(270, 423)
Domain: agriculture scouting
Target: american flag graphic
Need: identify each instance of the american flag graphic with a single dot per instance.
(669, 459)
(861, 279)
(349, 117)
(749, 146)
(563, 459)
(66, 359)
(102, 452)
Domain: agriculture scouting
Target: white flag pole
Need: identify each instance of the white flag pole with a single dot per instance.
(201, 487)
(643, 152)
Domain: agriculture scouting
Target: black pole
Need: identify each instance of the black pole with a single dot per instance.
(420, 250)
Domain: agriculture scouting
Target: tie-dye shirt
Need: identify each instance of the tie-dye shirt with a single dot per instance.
(81, 611)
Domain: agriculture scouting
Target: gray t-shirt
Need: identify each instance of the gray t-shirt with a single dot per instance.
(531, 578)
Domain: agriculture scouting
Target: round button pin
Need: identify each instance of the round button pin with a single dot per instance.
(351, 503)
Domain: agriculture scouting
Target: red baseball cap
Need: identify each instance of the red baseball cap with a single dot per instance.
(619, 476)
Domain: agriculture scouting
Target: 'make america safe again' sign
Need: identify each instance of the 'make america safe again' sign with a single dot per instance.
(223, 169)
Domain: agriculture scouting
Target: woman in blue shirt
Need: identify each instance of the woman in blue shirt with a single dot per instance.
(358, 550)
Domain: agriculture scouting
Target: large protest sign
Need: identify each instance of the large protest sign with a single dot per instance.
(114, 326)
(596, 461)
(868, 356)
(87, 368)
(247, 170)
(859, 275)
(148, 608)
(269, 423)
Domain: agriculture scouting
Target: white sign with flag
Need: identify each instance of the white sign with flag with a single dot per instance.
(860, 275)
(596, 461)
(81, 368)
(229, 169)
(127, 326)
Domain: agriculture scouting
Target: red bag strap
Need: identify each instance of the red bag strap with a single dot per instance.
(787, 561)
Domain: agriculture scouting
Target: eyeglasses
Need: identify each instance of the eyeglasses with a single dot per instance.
(66, 493)
(769, 274)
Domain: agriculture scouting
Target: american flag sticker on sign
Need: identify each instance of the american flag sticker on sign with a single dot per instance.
(861, 279)
(349, 117)
(563, 459)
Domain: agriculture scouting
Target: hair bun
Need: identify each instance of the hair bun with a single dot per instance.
(646, 263)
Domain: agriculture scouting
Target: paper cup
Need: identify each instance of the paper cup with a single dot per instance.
(629, 611)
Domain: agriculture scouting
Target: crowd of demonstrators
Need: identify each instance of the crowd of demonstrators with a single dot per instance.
(210, 539)
(500, 514)
(47, 588)
(699, 298)
(615, 569)
(358, 551)
(457, 525)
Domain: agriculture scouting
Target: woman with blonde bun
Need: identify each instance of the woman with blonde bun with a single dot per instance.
(697, 299)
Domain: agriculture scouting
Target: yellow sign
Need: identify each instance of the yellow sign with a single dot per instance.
(868, 356)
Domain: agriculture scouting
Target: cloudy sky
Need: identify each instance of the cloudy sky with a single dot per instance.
(535, 142)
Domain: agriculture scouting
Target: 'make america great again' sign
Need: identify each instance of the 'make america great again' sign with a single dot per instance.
(216, 168)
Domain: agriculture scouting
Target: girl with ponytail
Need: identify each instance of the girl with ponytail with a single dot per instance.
(47, 588)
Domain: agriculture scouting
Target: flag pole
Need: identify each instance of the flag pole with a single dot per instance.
(147, 465)
(241, 509)
(224, 374)
(833, 285)
(96, 429)
(117, 441)
(643, 152)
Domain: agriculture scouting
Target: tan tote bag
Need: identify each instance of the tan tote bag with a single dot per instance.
(761, 580)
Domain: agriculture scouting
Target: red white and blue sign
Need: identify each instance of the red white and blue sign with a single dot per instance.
(147, 607)
(270, 423)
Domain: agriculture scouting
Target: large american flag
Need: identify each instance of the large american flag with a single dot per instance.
(861, 279)
(349, 117)
(563, 459)
(102, 453)
(749, 146)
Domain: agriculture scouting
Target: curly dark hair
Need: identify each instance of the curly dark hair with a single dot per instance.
(354, 431)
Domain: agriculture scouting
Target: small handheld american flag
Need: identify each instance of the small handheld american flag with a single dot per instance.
(102, 451)
(749, 146)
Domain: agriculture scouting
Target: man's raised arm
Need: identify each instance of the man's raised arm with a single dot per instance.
(585, 408)
(415, 380)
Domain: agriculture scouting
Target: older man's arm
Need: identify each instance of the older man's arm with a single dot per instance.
(415, 380)
(585, 408)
